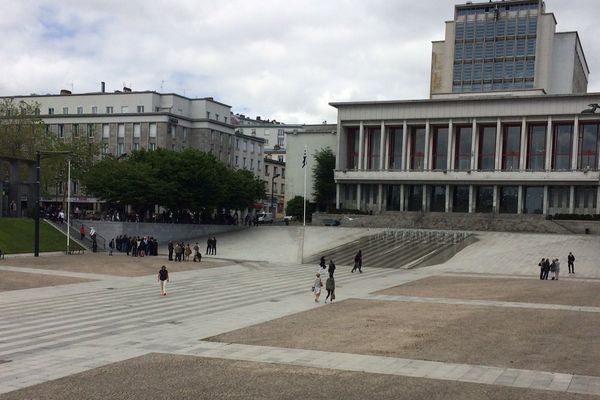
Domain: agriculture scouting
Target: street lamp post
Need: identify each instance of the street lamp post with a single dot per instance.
(273, 193)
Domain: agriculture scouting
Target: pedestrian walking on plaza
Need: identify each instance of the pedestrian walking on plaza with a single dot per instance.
(111, 247)
(541, 265)
(82, 232)
(330, 287)
(208, 246)
(214, 246)
(571, 263)
(197, 253)
(331, 268)
(553, 269)
(316, 288)
(171, 248)
(557, 266)
(358, 262)
(163, 278)
(322, 266)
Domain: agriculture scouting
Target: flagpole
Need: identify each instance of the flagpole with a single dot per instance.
(305, 166)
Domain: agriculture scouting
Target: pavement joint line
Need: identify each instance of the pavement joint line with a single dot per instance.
(481, 303)
(480, 374)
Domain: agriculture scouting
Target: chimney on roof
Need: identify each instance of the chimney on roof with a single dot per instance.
(102, 87)
(65, 92)
(258, 117)
(126, 89)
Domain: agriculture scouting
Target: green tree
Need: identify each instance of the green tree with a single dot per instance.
(324, 183)
(295, 207)
(22, 131)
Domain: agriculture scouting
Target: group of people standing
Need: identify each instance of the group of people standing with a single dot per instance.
(211, 246)
(135, 246)
(552, 267)
(183, 252)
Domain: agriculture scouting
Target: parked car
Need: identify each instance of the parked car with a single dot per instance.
(265, 218)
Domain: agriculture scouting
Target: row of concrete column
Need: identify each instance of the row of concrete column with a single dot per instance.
(381, 200)
(384, 145)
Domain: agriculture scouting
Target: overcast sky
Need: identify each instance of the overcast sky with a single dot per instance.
(278, 59)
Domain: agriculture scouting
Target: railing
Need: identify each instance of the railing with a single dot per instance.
(453, 170)
(437, 236)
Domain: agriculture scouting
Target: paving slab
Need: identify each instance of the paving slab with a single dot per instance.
(12, 280)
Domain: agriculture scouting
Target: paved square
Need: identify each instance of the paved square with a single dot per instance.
(20, 280)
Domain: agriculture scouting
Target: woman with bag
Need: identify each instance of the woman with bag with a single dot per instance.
(317, 287)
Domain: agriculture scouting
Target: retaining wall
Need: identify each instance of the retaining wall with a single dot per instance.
(162, 232)
(460, 221)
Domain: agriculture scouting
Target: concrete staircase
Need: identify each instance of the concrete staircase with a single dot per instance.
(401, 248)
(86, 242)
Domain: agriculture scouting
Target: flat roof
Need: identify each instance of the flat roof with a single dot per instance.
(473, 98)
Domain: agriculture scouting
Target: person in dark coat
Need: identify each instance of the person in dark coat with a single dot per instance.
(163, 278)
(546, 268)
(209, 246)
(214, 246)
(541, 265)
(330, 287)
(571, 263)
(331, 268)
(358, 262)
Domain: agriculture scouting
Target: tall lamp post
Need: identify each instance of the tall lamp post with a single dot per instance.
(273, 193)
(38, 159)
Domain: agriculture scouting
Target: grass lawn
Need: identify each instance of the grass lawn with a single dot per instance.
(16, 236)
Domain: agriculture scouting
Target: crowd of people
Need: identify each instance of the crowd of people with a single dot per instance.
(135, 246)
(551, 268)
(178, 251)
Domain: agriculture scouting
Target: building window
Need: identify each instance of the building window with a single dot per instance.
(140, 109)
(373, 148)
(94, 109)
(65, 110)
(393, 196)
(437, 197)
(252, 148)
(585, 199)
(121, 131)
(562, 147)
(105, 131)
(152, 131)
(120, 149)
(124, 109)
(254, 132)
(185, 133)
(439, 151)
(280, 158)
(91, 129)
(137, 131)
(217, 117)
(258, 165)
(487, 149)
(80, 110)
(252, 163)
(484, 199)
(509, 199)
(244, 163)
(275, 170)
(151, 146)
(281, 141)
(352, 138)
(208, 115)
(395, 148)
(267, 173)
(413, 197)
(464, 137)
(75, 130)
(61, 131)
(559, 199)
(533, 200)
(511, 148)
(237, 161)
(109, 109)
(536, 148)
(172, 131)
(245, 145)
(588, 146)
(460, 199)
(50, 111)
(417, 149)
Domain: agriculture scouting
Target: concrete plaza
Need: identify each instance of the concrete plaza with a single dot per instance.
(391, 332)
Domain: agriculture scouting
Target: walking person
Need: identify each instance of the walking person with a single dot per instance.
(171, 248)
(330, 287)
(111, 246)
(163, 278)
(82, 232)
(358, 262)
(214, 246)
(331, 268)
(571, 263)
(322, 266)
(557, 272)
(208, 246)
(178, 252)
(553, 270)
(188, 252)
(316, 288)
(541, 265)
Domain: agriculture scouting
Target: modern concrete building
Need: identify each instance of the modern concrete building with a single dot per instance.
(505, 46)
(314, 138)
(124, 121)
(508, 137)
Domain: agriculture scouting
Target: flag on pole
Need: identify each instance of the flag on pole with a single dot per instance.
(304, 159)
